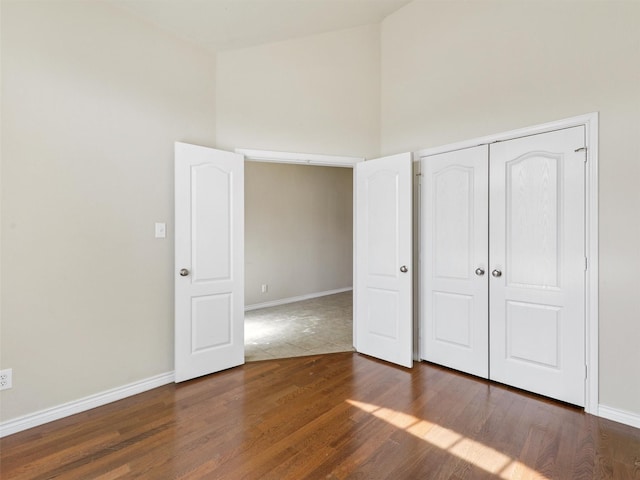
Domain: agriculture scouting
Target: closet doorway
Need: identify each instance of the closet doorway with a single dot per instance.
(505, 252)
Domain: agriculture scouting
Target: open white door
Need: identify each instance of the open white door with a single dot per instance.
(209, 256)
(454, 235)
(537, 262)
(383, 266)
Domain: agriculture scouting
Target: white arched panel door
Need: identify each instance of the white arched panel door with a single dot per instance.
(383, 266)
(454, 261)
(209, 256)
(537, 263)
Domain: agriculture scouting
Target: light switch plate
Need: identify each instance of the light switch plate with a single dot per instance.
(161, 230)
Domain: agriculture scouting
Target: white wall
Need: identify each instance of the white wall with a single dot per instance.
(458, 70)
(317, 94)
(298, 230)
(92, 101)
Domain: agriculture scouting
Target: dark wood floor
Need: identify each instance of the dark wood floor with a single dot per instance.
(327, 417)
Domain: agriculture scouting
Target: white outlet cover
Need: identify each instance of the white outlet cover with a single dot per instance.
(6, 379)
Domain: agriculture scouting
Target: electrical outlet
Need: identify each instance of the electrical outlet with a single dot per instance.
(265, 288)
(6, 378)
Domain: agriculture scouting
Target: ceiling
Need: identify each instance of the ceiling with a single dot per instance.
(228, 24)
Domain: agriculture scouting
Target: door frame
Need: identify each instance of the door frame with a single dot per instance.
(317, 160)
(590, 122)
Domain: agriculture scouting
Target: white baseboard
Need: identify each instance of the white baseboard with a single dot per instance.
(617, 415)
(284, 301)
(87, 403)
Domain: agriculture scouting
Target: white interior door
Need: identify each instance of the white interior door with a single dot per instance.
(209, 256)
(454, 260)
(537, 262)
(383, 266)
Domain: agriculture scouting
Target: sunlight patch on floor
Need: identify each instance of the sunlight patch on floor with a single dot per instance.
(257, 331)
(476, 453)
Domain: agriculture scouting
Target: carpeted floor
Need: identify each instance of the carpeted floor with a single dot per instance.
(310, 327)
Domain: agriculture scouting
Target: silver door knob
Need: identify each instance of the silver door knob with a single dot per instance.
(496, 273)
(480, 271)
(184, 272)
(404, 269)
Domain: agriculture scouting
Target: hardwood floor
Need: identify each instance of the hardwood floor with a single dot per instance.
(334, 416)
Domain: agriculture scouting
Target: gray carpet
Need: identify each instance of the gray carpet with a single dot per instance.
(310, 327)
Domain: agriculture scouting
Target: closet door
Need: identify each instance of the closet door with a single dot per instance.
(537, 262)
(454, 263)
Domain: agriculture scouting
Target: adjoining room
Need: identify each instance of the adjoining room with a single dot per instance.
(298, 260)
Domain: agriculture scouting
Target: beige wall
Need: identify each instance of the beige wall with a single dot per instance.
(298, 230)
(458, 70)
(318, 94)
(92, 101)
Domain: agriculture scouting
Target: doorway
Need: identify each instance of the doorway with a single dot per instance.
(298, 260)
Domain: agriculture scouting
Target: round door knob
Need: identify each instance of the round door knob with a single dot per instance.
(479, 271)
(184, 272)
(404, 269)
(496, 273)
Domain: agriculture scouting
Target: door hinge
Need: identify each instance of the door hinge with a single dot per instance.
(586, 264)
(582, 149)
(586, 372)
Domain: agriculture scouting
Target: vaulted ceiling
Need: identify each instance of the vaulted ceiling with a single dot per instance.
(228, 24)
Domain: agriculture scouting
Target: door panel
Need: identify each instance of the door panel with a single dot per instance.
(382, 197)
(383, 293)
(532, 235)
(209, 320)
(454, 244)
(537, 244)
(211, 243)
(530, 326)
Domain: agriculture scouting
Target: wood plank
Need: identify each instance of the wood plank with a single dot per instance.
(336, 416)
